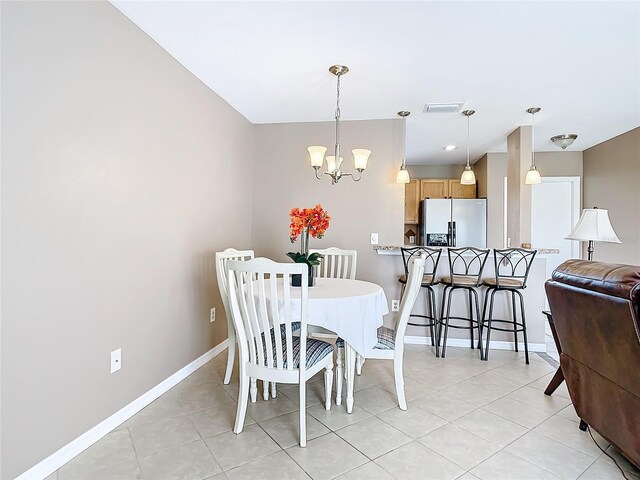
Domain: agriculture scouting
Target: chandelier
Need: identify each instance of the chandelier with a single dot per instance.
(334, 162)
(468, 177)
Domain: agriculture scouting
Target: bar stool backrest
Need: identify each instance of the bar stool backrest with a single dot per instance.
(431, 258)
(467, 262)
(513, 264)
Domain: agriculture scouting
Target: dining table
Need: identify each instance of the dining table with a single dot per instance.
(353, 310)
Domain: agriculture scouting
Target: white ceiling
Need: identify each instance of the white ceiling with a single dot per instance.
(579, 61)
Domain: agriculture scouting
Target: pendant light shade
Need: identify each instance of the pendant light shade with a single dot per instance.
(468, 177)
(403, 175)
(533, 175)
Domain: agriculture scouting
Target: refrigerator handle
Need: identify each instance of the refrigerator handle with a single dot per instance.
(450, 234)
(454, 233)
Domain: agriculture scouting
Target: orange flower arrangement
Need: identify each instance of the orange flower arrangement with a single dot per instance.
(305, 222)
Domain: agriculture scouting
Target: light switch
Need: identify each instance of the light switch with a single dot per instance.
(374, 239)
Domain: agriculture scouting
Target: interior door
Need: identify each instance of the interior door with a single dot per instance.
(555, 208)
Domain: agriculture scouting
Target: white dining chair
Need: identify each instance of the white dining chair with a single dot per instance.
(336, 263)
(260, 296)
(390, 344)
(222, 258)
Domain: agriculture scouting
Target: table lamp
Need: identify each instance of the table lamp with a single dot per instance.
(593, 226)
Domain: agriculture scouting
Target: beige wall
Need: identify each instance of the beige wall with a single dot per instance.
(120, 175)
(375, 204)
(560, 164)
(435, 171)
(612, 181)
(480, 171)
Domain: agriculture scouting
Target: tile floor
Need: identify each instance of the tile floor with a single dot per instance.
(466, 419)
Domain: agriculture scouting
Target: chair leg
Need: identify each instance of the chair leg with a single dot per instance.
(273, 389)
(524, 328)
(243, 396)
(231, 352)
(446, 325)
(253, 390)
(515, 319)
(265, 390)
(359, 363)
(475, 294)
(427, 299)
(486, 348)
(328, 385)
(471, 317)
(435, 322)
(399, 379)
(303, 412)
(339, 375)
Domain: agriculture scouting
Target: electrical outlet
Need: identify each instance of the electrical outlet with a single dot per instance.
(212, 315)
(116, 360)
(374, 239)
(395, 305)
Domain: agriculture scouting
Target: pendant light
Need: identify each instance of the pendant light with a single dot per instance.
(403, 175)
(533, 175)
(468, 177)
(316, 152)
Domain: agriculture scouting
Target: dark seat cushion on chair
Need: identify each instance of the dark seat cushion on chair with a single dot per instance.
(504, 282)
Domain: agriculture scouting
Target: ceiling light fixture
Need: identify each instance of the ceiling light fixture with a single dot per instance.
(564, 141)
(449, 148)
(403, 175)
(316, 152)
(533, 175)
(468, 177)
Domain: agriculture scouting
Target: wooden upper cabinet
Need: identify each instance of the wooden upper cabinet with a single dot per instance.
(457, 190)
(411, 201)
(434, 188)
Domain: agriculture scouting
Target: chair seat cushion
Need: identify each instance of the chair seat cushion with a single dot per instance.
(463, 280)
(504, 282)
(295, 326)
(386, 339)
(426, 280)
(316, 351)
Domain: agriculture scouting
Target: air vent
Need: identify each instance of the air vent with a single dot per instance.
(443, 107)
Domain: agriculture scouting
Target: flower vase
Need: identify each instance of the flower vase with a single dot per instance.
(296, 279)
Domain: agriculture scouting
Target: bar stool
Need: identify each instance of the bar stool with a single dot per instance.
(432, 258)
(465, 273)
(512, 267)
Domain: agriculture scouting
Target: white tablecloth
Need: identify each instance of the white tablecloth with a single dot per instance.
(353, 309)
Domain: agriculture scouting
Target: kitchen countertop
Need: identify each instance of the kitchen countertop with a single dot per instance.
(395, 249)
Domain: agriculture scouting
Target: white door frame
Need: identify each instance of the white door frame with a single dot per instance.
(576, 206)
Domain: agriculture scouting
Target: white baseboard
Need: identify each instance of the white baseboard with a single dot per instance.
(464, 343)
(53, 462)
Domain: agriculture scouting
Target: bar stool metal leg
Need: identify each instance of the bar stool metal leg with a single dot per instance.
(490, 293)
(515, 318)
(524, 328)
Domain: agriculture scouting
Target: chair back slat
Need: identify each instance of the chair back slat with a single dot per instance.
(416, 269)
(222, 258)
(261, 302)
(467, 262)
(336, 263)
(431, 256)
(513, 264)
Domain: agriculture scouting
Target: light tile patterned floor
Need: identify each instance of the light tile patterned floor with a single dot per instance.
(467, 419)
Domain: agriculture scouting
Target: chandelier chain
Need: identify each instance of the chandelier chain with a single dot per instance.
(337, 147)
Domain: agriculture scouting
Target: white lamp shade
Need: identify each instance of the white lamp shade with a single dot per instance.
(360, 157)
(402, 176)
(594, 225)
(468, 177)
(316, 153)
(533, 177)
(332, 166)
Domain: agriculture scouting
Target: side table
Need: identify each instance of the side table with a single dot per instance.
(558, 378)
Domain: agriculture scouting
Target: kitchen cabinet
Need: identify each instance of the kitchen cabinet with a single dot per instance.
(434, 188)
(411, 201)
(457, 190)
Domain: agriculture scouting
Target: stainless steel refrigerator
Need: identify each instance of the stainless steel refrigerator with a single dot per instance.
(454, 222)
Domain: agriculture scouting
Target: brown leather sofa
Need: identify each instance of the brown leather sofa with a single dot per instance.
(596, 312)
